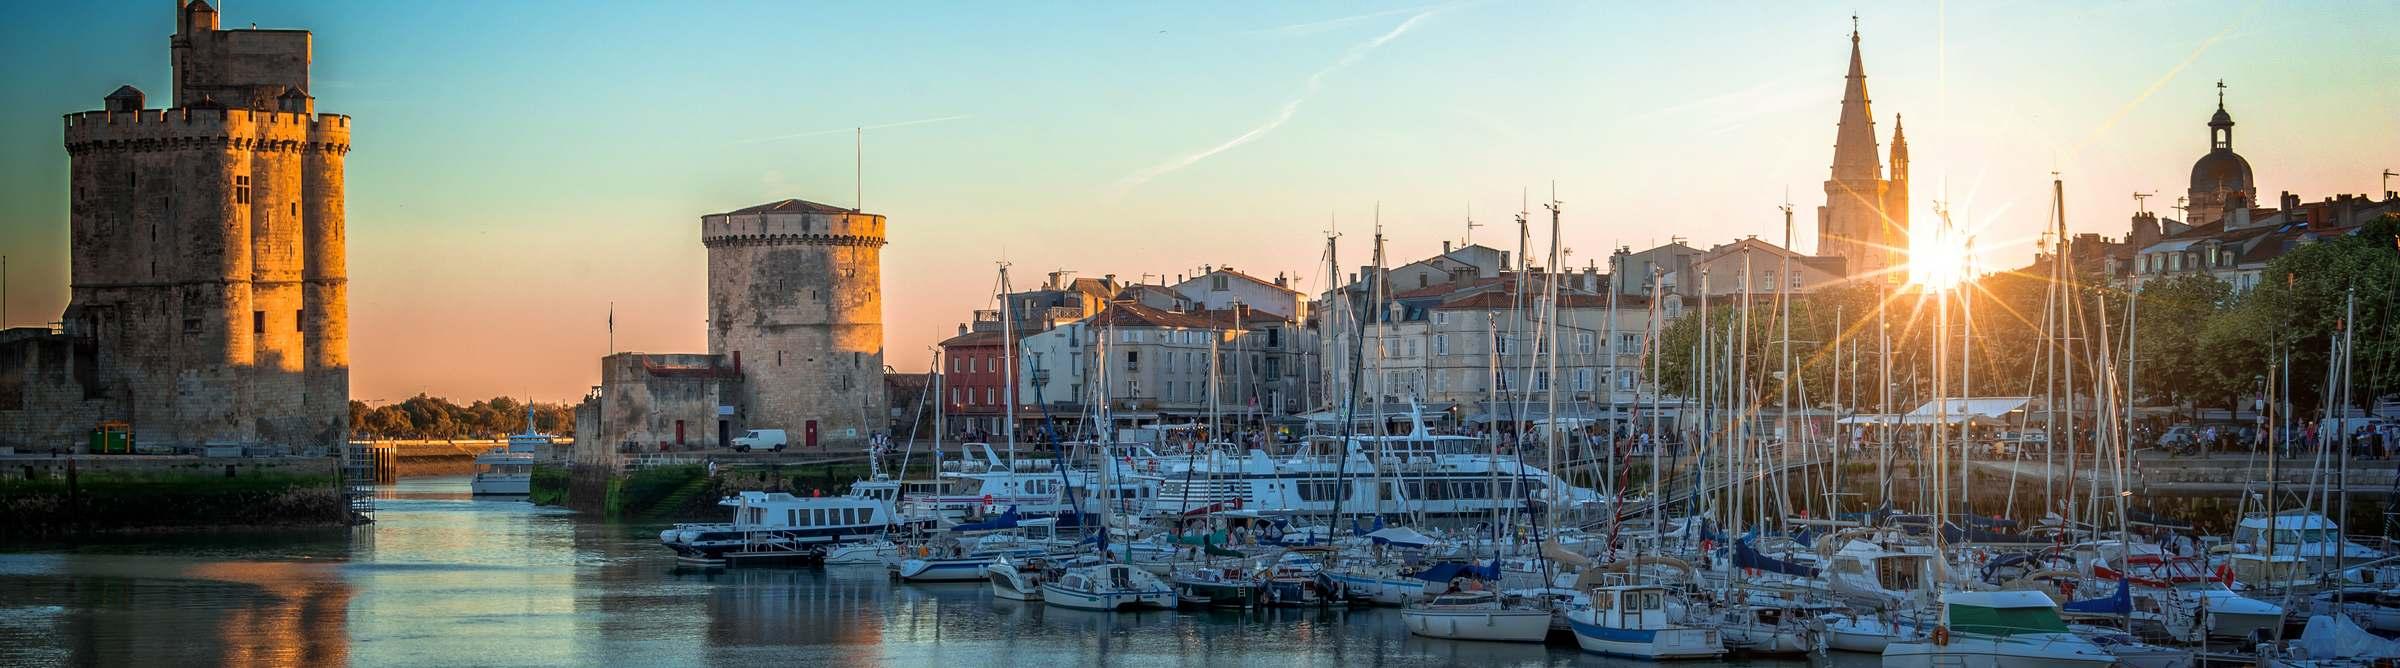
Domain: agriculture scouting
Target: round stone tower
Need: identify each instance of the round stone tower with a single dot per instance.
(795, 304)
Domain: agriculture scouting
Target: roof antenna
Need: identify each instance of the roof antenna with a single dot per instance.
(858, 169)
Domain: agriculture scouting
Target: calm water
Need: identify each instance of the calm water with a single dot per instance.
(441, 579)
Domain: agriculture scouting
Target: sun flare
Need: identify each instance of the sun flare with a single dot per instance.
(1939, 260)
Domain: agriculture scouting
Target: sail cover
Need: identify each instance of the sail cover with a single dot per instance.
(1745, 556)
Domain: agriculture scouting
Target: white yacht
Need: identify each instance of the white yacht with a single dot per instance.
(1109, 587)
(1998, 629)
(1420, 473)
(2313, 538)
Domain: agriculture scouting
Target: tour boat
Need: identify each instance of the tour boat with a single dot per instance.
(1108, 587)
(1633, 621)
(502, 473)
(509, 472)
(1998, 629)
(1478, 615)
(772, 527)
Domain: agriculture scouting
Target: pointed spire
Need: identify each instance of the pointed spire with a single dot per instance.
(1854, 139)
(1899, 149)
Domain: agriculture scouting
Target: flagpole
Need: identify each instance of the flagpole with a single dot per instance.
(612, 328)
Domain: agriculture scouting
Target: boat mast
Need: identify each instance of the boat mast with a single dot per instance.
(1783, 302)
(1550, 334)
(1008, 375)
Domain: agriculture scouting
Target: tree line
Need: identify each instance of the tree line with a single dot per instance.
(424, 416)
(2197, 342)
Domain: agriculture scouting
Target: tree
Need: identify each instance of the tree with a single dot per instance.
(2170, 364)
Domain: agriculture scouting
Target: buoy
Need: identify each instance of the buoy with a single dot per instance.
(1941, 635)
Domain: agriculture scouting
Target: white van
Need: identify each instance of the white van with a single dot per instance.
(771, 440)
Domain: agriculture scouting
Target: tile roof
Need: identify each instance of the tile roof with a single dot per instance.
(789, 206)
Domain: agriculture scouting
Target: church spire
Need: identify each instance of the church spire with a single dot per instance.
(1899, 150)
(1854, 156)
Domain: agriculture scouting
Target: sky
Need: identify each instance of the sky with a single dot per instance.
(518, 167)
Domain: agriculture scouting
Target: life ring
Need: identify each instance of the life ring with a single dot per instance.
(1941, 635)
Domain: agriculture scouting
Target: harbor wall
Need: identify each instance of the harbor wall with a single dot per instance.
(47, 496)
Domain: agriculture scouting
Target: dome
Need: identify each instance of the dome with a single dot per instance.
(2220, 120)
(2221, 167)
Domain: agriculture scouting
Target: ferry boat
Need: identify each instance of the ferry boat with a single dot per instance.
(509, 472)
(772, 527)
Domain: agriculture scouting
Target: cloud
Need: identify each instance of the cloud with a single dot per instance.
(1284, 113)
(813, 133)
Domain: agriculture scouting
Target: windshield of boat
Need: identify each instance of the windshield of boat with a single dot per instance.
(2004, 621)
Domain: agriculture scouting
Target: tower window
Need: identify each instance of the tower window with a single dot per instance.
(191, 325)
(258, 322)
(295, 209)
(241, 190)
(300, 320)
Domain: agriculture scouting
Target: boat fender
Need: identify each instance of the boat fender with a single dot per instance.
(1941, 636)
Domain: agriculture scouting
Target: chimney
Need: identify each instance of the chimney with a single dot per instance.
(1445, 246)
(962, 329)
(2290, 201)
(1281, 281)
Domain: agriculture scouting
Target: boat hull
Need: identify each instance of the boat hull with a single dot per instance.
(506, 485)
(2059, 651)
(1009, 583)
(1650, 644)
(1160, 599)
(1492, 625)
(965, 569)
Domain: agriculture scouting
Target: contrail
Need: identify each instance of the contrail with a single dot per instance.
(1314, 27)
(1282, 115)
(813, 133)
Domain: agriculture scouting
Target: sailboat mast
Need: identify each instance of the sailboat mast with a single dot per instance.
(1008, 359)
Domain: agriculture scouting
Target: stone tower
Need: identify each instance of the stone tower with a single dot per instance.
(2221, 178)
(795, 304)
(208, 247)
(1865, 217)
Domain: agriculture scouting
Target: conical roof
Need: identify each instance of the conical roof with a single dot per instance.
(1854, 146)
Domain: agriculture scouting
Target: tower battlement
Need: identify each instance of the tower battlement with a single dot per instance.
(151, 129)
(833, 228)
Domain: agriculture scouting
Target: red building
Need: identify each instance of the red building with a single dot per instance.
(975, 379)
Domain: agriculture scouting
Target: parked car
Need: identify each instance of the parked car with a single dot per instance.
(771, 440)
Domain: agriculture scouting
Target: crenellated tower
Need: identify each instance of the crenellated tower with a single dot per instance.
(209, 286)
(795, 305)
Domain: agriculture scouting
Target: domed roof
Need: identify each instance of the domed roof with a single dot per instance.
(2222, 119)
(2221, 167)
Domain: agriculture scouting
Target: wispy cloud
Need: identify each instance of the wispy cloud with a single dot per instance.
(813, 133)
(1283, 114)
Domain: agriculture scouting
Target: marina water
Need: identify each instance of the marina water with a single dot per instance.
(444, 579)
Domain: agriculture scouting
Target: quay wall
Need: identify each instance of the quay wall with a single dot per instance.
(47, 496)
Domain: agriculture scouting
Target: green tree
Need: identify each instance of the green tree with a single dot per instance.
(2170, 364)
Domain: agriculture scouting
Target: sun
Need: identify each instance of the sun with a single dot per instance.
(1939, 260)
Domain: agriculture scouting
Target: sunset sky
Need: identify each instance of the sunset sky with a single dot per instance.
(518, 166)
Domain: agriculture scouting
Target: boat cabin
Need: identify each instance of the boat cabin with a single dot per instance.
(2001, 613)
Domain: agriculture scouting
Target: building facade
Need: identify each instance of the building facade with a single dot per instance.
(210, 297)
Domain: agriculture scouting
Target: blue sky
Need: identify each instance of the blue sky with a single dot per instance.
(519, 166)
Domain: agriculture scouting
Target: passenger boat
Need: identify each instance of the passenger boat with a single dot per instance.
(509, 472)
(1634, 621)
(1108, 587)
(1478, 615)
(771, 527)
(1998, 629)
